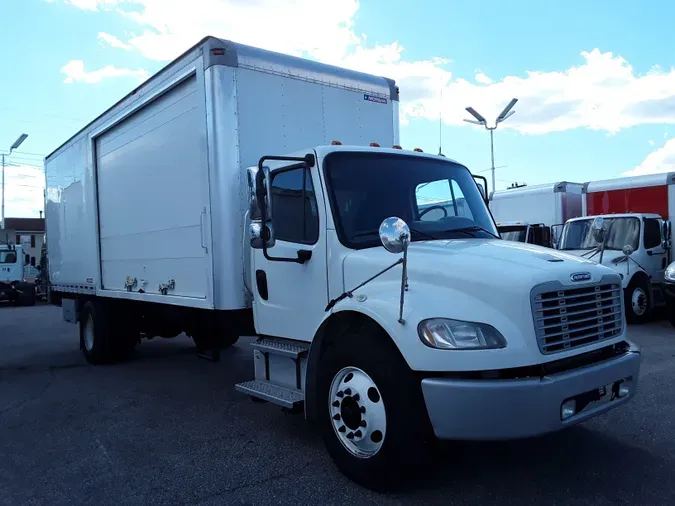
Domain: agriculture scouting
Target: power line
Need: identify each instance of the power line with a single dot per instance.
(32, 154)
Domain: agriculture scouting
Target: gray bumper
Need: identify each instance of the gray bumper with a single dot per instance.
(510, 409)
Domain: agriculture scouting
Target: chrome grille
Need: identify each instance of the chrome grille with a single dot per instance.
(572, 317)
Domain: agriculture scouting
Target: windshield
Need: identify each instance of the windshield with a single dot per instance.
(513, 233)
(438, 199)
(7, 257)
(620, 232)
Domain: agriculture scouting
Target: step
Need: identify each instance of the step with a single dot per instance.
(292, 349)
(286, 397)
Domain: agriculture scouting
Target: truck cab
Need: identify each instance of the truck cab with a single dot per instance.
(531, 233)
(392, 329)
(13, 284)
(636, 245)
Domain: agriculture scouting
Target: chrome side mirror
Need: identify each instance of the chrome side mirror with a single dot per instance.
(598, 229)
(253, 207)
(627, 250)
(394, 234)
(260, 203)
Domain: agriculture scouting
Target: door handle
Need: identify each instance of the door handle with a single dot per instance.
(202, 217)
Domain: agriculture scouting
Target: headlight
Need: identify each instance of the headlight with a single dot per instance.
(449, 334)
(670, 272)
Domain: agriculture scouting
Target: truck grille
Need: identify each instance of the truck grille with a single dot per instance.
(574, 317)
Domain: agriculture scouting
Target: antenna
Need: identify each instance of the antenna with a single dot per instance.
(440, 122)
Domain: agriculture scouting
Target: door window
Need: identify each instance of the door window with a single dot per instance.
(439, 199)
(295, 217)
(652, 233)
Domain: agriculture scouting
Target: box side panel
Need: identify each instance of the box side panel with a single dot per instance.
(153, 196)
(70, 212)
(649, 199)
(280, 114)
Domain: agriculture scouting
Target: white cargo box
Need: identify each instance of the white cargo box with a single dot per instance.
(147, 201)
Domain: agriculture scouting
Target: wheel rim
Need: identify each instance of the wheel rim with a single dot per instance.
(639, 301)
(89, 334)
(357, 412)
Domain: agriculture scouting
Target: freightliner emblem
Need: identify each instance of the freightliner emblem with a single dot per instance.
(580, 276)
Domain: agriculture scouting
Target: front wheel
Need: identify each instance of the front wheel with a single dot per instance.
(638, 301)
(372, 416)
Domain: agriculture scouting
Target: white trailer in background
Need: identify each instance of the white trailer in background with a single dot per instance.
(212, 201)
(527, 214)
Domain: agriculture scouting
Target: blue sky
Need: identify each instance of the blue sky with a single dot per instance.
(594, 80)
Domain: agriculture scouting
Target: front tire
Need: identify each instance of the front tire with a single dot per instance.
(372, 416)
(638, 300)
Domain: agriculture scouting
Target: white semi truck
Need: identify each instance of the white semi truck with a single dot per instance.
(14, 286)
(636, 211)
(212, 200)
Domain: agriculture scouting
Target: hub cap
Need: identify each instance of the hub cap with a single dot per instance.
(639, 301)
(89, 334)
(357, 412)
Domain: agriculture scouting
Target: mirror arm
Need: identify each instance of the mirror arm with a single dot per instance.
(350, 293)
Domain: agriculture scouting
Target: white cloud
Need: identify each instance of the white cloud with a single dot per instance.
(483, 79)
(661, 160)
(90, 5)
(75, 72)
(24, 186)
(602, 92)
(112, 41)
(651, 142)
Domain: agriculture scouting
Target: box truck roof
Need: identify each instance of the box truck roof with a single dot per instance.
(546, 188)
(217, 51)
(623, 183)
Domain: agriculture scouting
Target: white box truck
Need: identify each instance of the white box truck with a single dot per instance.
(636, 211)
(15, 283)
(536, 214)
(212, 201)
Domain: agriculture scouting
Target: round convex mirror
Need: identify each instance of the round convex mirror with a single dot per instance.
(394, 234)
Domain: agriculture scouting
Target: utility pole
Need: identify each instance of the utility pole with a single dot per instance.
(16, 144)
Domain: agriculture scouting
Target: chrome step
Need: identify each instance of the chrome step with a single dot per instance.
(286, 397)
(281, 347)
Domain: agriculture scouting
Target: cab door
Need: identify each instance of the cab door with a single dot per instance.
(289, 284)
(656, 260)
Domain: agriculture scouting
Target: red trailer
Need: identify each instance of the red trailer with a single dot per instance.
(654, 193)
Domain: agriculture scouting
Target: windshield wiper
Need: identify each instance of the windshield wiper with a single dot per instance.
(471, 229)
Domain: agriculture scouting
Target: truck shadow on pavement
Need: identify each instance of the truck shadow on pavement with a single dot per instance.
(574, 465)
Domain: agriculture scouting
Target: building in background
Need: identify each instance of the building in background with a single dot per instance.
(29, 233)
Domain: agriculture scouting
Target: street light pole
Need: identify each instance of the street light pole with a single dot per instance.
(480, 120)
(16, 144)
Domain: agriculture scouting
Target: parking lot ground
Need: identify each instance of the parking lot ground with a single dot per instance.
(168, 428)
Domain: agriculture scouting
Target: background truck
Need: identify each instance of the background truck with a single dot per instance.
(217, 200)
(535, 214)
(636, 211)
(14, 286)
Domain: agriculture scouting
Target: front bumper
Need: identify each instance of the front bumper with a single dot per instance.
(518, 408)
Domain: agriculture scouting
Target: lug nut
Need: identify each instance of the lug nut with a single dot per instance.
(348, 391)
(356, 397)
(336, 416)
(358, 433)
(350, 435)
(340, 393)
(363, 423)
(342, 429)
(336, 404)
(363, 409)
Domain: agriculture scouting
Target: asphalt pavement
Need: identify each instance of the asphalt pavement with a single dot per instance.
(169, 428)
